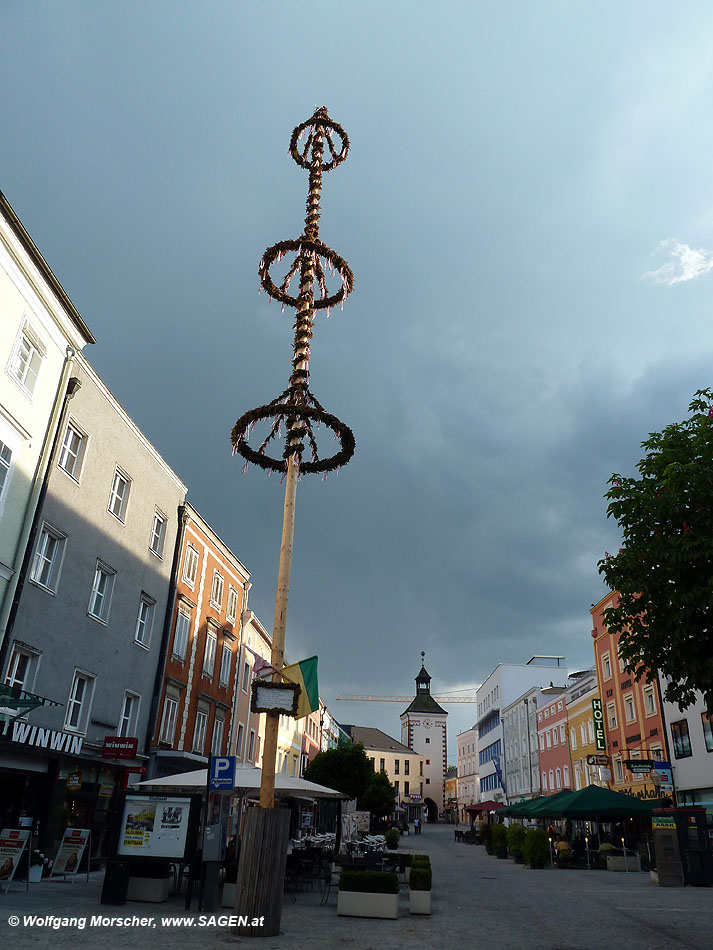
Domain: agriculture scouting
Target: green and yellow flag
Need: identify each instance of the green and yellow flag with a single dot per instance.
(304, 674)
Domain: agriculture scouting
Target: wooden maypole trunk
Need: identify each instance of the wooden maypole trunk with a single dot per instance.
(264, 849)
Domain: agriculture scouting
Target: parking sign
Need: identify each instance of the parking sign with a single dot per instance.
(222, 772)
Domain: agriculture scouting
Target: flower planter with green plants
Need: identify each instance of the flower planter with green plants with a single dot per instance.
(368, 894)
(500, 841)
(516, 838)
(536, 848)
(420, 890)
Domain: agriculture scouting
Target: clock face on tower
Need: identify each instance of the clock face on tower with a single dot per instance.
(427, 723)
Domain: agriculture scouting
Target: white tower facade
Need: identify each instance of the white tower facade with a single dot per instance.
(423, 729)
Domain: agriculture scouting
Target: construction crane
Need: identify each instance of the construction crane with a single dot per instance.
(405, 699)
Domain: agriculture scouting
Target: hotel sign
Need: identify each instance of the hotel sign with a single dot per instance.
(600, 739)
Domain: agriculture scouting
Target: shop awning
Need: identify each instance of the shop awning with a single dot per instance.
(490, 805)
(16, 702)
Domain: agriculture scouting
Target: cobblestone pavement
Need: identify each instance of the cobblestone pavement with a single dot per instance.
(477, 900)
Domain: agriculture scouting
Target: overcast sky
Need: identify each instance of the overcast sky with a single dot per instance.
(528, 211)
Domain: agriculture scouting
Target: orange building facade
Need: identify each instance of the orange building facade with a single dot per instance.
(201, 664)
(633, 719)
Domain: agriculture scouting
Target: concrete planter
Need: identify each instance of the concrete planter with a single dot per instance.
(35, 873)
(357, 904)
(228, 896)
(419, 902)
(151, 889)
(617, 862)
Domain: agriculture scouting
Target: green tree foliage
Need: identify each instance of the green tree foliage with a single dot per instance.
(379, 797)
(664, 571)
(346, 768)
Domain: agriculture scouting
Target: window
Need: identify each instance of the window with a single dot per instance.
(119, 495)
(428, 740)
(26, 360)
(199, 731)
(707, 723)
(168, 722)
(382, 765)
(555, 742)
(618, 770)
(225, 659)
(158, 533)
(397, 766)
(396, 786)
(544, 781)
(144, 621)
(216, 746)
(583, 731)
(629, 710)
(190, 565)
(406, 788)
(552, 780)
(48, 558)
(407, 766)
(681, 739)
(71, 455)
(573, 739)
(559, 705)
(22, 668)
(129, 714)
(100, 599)
(246, 676)
(79, 702)
(611, 715)
(548, 739)
(209, 653)
(563, 734)
(565, 775)
(590, 726)
(622, 663)
(542, 741)
(239, 744)
(428, 781)
(251, 746)
(180, 637)
(216, 591)
(649, 701)
(606, 666)
(5, 460)
(558, 776)
(231, 609)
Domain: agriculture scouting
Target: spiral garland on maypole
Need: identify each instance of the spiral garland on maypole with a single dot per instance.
(297, 407)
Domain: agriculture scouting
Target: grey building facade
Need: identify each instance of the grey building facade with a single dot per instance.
(87, 626)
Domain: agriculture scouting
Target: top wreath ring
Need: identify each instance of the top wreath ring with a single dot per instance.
(321, 119)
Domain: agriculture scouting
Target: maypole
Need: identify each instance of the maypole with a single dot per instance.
(262, 863)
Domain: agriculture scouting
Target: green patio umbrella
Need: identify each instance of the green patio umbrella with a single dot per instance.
(601, 804)
(521, 809)
(549, 806)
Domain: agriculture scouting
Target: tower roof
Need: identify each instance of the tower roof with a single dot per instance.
(423, 702)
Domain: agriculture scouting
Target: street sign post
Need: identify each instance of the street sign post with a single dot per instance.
(221, 776)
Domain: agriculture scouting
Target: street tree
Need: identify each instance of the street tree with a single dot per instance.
(347, 768)
(379, 797)
(664, 570)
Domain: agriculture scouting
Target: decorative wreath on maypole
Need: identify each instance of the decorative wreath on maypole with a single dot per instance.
(296, 407)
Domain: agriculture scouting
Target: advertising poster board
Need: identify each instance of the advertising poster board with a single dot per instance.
(12, 846)
(158, 826)
(71, 849)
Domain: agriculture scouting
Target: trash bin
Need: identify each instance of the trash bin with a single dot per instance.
(116, 883)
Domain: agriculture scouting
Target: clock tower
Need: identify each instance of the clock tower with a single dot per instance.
(423, 729)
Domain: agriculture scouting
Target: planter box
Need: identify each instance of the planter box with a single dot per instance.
(617, 862)
(35, 873)
(419, 902)
(228, 896)
(151, 889)
(357, 904)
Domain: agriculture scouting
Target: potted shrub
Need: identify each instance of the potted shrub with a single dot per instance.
(420, 890)
(536, 848)
(368, 894)
(392, 838)
(499, 841)
(516, 837)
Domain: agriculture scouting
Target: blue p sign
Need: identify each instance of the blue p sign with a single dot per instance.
(222, 772)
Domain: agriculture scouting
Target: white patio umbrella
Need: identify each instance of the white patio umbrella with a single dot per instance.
(247, 780)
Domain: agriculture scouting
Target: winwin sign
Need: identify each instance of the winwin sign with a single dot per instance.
(600, 740)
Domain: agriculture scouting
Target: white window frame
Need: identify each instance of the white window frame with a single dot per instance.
(629, 708)
(649, 701)
(119, 501)
(74, 469)
(28, 680)
(169, 718)
(606, 666)
(144, 620)
(246, 676)
(612, 721)
(226, 654)
(83, 703)
(618, 770)
(211, 641)
(157, 539)
(573, 739)
(103, 570)
(7, 465)
(20, 370)
(133, 702)
(181, 617)
(200, 729)
(216, 590)
(216, 747)
(231, 609)
(190, 565)
(239, 741)
(251, 746)
(48, 579)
